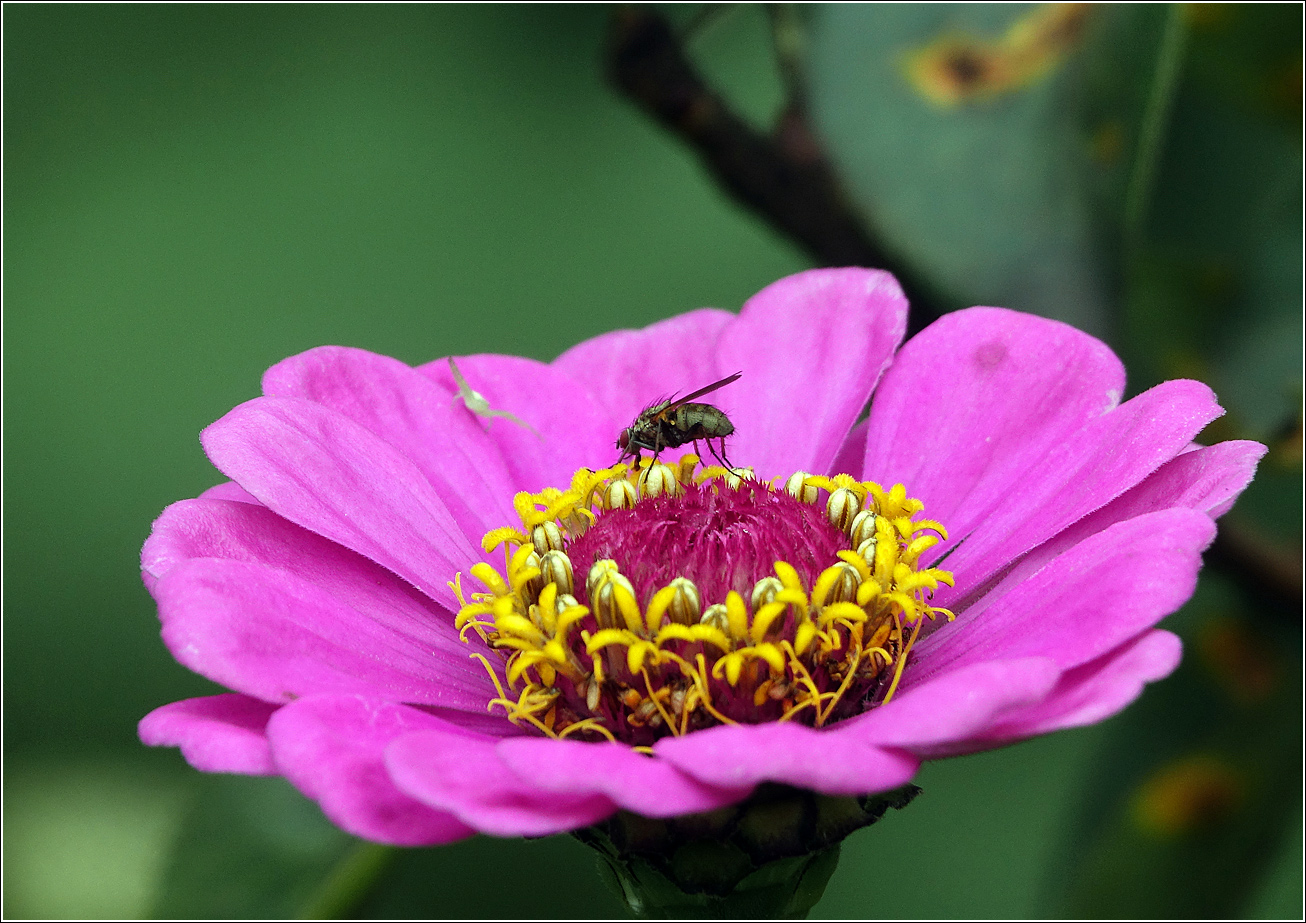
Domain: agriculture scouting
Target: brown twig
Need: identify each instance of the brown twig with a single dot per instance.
(784, 176)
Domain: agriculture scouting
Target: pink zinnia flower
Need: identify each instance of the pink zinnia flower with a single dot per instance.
(665, 641)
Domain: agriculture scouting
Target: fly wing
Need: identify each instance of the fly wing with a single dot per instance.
(702, 391)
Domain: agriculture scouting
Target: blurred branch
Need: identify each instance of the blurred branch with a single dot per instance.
(783, 176)
(1260, 566)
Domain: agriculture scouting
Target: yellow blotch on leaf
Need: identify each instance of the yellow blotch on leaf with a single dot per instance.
(958, 68)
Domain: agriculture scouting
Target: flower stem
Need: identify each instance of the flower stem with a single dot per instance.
(349, 883)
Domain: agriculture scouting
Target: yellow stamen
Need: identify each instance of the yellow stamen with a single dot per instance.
(804, 677)
(587, 724)
(648, 684)
(701, 633)
(763, 620)
(902, 661)
(496, 537)
(804, 634)
(737, 615)
(657, 607)
(843, 687)
(789, 577)
(490, 577)
(700, 681)
(494, 677)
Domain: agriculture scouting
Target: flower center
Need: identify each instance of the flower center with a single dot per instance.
(721, 540)
(640, 603)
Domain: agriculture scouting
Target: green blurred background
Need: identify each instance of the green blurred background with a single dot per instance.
(195, 192)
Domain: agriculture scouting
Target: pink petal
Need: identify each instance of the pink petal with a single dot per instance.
(1095, 690)
(1003, 425)
(217, 733)
(1110, 588)
(812, 348)
(330, 475)
(229, 490)
(629, 369)
(1207, 479)
(464, 775)
(406, 410)
(743, 755)
(1204, 479)
(277, 637)
(1092, 467)
(977, 395)
(330, 748)
(575, 429)
(955, 705)
(639, 783)
(253, 533)
(851, 455)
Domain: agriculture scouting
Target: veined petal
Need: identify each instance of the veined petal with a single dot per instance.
(217, 733)
(955, 705)
(1206, 479)
(330, 748)
(629, 369)
(812, 348)
(1093, 691)
(1097, 464)
(409, 412)
(332, 476)
(631, 780)
(278, 637)
(572, 426)
(852, 454)
(1021, 436)
(229, 490)
(254, 534)
(1106, 590)
(739, 755)
(463, 774)
(977, 396)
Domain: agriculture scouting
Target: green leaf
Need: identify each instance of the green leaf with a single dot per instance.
(1144, 183)
(983, 193)
(1215, 287)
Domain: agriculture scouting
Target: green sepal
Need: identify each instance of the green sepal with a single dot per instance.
(769, 857)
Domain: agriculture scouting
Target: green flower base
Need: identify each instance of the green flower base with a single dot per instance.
(769, 857)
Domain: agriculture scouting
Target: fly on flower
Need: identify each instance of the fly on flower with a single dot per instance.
(672, 423)
(678, 640)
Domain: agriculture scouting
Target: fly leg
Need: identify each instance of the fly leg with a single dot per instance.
(658, 445)
(708, 440)
(720, 455)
